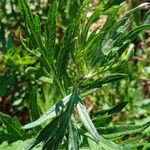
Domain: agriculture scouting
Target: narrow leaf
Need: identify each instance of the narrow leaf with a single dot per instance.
(54, 132)
(54, 111)
(104, 145)
(51, 32)
(73, 143)
(66, 49)
(85, 118)
(116, 109)
(118, 131)
(99, 82)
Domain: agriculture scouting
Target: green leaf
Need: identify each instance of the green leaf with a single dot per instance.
(33, 107)
(46, 80)
(68, 10)
(33, 26)
(89, 22)
(94, 146)
(13, 126)
(101, 121)
(24, 8)
(47, 132)
(73, 143)
(118, 131)
(112, 3)
(136, 8)
(132, 140)
(104, 145)
(56, 139)
(100, 81)
(53, 112)
(133, 33)
(116, 109)
(111, 38)
(114, 33)
(82, 11)
(51, 32)
(37, 25)
(93, 48)
(54, 132)
(67, 47)
(138, 145)
(18, 145)
(85, 118)
(73, 8)
(64, 122)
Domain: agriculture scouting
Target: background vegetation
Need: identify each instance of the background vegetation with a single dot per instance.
(74, 74)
